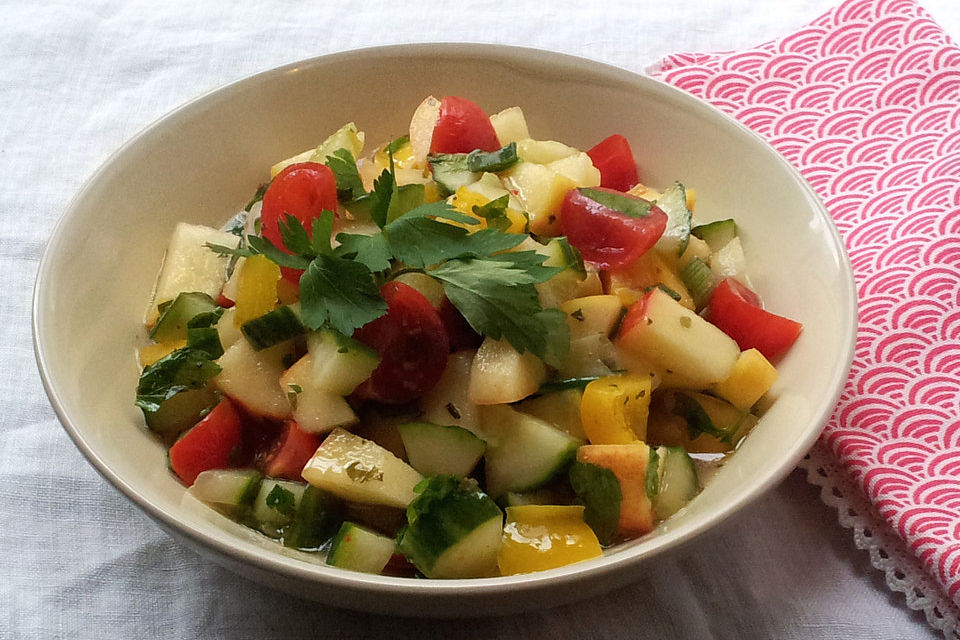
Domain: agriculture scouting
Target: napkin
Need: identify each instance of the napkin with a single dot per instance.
(865, 102)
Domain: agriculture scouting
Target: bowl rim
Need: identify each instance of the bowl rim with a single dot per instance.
(231, 548)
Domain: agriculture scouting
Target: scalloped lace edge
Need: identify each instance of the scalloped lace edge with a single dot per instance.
(903, 572)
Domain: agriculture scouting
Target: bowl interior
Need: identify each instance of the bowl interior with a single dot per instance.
(201, 164)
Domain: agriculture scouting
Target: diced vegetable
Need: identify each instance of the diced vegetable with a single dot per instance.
(434, 449)
(172, 324)
(614, 158)
(697, 422)
(652, 269)
(698, 279)
(449, 401)
(677, 481)
(276, 504)
(340, 363)
(592, 314)
(250, 377)
(675, 237)
(599, 490)
(256, 289)
(453, 530)
(359, 470)
(510, 125)
(276, 326)
(629, 463)
(716, 234)
(737, 312)
(614, 409)
(500, 374)
(752, 376)
(461, 127)
(541, 537)
(208, 445)
(315, 521)
(559, 408)
(288, 455)
(357, 548)
(227, 487)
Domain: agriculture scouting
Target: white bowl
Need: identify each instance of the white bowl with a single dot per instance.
(203, 161)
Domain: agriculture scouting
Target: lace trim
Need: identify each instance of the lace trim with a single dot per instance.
(904, 573)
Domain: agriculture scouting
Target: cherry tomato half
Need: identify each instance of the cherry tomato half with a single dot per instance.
(462, 127)
(614, 159)
(303, 190)
(607, 237)
(412, 344)
(736, 310)
(291, 451)
(209, 444)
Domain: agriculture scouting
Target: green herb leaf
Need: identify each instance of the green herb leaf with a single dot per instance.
(373, 251)
(383, 188)
(493, 161)
(599, 490)
(295, 237)
(404, 199)
(257, 197)
(498, 299)
(183, 369)
(397, 144)
(495, 213)
(340, 293)
(206, 339)
(344, 167)
(282, 500)
(628, 206)
(238, 252)
(261, 245)
(321, 232)
(652, 480)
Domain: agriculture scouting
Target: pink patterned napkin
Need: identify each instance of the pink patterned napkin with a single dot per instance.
(865, 101)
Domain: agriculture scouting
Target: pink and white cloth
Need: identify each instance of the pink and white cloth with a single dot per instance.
(865, 101)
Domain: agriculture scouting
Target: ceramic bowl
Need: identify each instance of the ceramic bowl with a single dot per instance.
(202, 162)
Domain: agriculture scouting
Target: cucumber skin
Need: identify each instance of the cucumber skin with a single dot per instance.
(316, 521)
(419, 436)
(447, 519)
(272, 328)
(669, 498)
(172, 323)
(354, 554)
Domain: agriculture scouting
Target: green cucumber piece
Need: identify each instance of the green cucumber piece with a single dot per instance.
(698, 279)
(599, 490)
(523, 452)
(340, 363)
(357, 548)
(453, 529)
(564, 255)
(315, 522)
(450, 172)
(227, 487)
(172, 324)
(274, 327)
(434, 449)
(181, 411)
(673, 202)
(678, 482)
(276, 505)
(716, 234)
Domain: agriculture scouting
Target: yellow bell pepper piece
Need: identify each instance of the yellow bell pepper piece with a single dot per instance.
(752, 376)
(153, 352)
(257, 289)
(614, 409)
(465, 200)
(541, 537)
(402, 157)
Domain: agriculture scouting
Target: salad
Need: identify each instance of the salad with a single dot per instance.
(465, 353)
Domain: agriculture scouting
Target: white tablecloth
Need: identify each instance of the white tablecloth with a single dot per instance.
(79, 561)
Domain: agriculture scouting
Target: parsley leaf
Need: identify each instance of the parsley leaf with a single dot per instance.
(186, 368)
(628, 206)
(339, 292)
(599, 489)
(258, 196)
(495, 213)
(493, 161)
(382, 193)
(373, 251)
(295, 237)
(344, 167)
(498, 299)
(282, 500)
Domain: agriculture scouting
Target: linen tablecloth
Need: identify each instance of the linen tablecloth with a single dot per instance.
(79, 561)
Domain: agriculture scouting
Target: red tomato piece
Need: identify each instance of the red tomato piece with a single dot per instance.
(736, 310)
(224, 301)
(462, 127)
(614, 159)
(459, 332)
(208, 445)
(412, 344)
(291, 452)
(303, 190)
(606, 237)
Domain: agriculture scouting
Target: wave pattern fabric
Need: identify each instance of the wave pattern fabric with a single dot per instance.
(865, 101)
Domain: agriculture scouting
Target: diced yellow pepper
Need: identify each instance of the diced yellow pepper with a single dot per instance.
(257, 289)
(691, 198)
(153, 352)
(402, 157)
(648, 270)
(465, 200)
(645, 192)
(614, 409)
(541, 537)
(752, 376)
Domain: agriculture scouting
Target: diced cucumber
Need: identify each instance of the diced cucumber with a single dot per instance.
(181, 411)
(274, 327)
(227, 487)
(250, 377)
(315, 410)
(678, 483)
(453, 530)
(523, 452)
(673, 202)
(346, 137)
(716, 234)
(340, 363)
(543, 151)
(172, 324)
(543, 495)
(434, 449)
(276, 504)
(357, 548)
(316, 521)
(359, 470)
(585, 357)
(729, 262)
(450, 172)
(227, 328)
(713, 416)
(698, 278)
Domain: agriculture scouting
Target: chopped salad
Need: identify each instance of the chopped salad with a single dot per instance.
(466, 353)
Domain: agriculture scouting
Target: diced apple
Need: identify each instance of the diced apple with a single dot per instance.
(592, 314)
(189, 265)
(579, 168)
(316, 410)
(250, 377)
(585, 357)
(629, 463)
(500, 374)
(360, 471)
(675, 339)
(421, 129)
(543, 151)
(649, 270)
(510, 125)
(541, 191)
